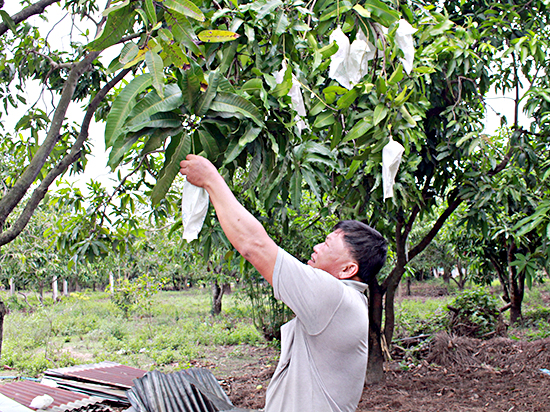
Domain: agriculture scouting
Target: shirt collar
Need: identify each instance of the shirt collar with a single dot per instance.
(359, 286)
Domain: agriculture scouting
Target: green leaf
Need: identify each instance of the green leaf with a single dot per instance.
(118, 23)
(362, 11)
(347, 99)
(123, 105)
(150, 11)
(335, 10)
(106, 12)
(397, 75)
(380, 113)
(182, 143)
(406, 115)
(381, 13)
(281, 23)
(328, 50)
(296, 188)
(178, 56)
(157, 139)
(217, 36)
(249, 136)
(156, 121)
(324, 119)
(185, 7)
(183, 32)
(353, 168)
(156, 68)
(232, 103)
(205, 100)
(358, 130)
(190, 83)
(122, 146)
(8, 21)
(129, 52)
(152, 103)
(253, 85)
(311, 182)
(264, 8)
(208, 143)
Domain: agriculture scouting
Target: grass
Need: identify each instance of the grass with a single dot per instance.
(178, 329)
(425, 315)
(89, 328)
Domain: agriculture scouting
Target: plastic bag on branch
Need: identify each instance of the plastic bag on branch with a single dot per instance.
(404, 40)
(296, 97)
(350, 63)
(194, 206)
(391, 158)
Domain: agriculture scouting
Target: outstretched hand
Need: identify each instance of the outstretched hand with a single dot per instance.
(199, 170)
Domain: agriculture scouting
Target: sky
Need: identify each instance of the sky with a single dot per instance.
(97, 163)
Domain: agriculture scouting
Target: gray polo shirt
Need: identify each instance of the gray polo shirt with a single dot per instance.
(324, 348)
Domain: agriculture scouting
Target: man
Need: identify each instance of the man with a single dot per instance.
(324, 349)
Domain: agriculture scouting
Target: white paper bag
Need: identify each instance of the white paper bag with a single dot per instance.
(404, 40)
(194, 205)
(391, 158)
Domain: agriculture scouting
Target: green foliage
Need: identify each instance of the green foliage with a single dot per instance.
(136, 294)
(421, 316)
(475, 313)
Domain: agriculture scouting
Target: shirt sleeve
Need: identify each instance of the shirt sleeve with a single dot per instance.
(313, 294)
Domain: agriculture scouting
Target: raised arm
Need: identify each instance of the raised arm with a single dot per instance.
(242, 229)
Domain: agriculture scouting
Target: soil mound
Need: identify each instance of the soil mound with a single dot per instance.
(499, 353)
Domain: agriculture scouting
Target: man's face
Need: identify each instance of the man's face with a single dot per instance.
(333, 256)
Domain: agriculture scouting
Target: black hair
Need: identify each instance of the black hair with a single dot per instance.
(366, 245)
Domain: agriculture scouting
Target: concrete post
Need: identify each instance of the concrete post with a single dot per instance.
(55, 289)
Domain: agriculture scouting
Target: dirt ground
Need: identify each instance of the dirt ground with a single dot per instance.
(458, 374)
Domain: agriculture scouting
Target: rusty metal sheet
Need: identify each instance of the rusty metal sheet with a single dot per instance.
(24, 392)
(106, 373)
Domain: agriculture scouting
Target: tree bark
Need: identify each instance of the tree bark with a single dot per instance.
(3, 312)
(217, 295)
(14, 196)
(375, 365)
(32, 10)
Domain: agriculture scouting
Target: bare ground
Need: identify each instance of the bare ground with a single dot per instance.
(496, 375)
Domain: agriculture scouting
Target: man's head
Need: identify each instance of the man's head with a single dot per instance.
(352, 250)
(365, 245)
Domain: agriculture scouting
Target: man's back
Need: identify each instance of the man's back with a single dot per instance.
(324, 349)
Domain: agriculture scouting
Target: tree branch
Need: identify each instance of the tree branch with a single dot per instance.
(27, 178)
(32, 10)
(435, 228)
(62, 166)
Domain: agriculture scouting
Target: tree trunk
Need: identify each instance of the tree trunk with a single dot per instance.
(409, 281)
(375, 366)
(517, 287)
(3, 312)
(217, 294)
(389, 321)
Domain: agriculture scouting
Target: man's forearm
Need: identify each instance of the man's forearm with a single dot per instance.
(242, 229)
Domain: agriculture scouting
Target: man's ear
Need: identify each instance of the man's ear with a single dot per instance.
(349, 271)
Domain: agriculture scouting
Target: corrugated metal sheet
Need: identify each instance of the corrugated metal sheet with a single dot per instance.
(108, 380)
(106, 373)
(9, 405)
(23, 392)
(192, 390)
